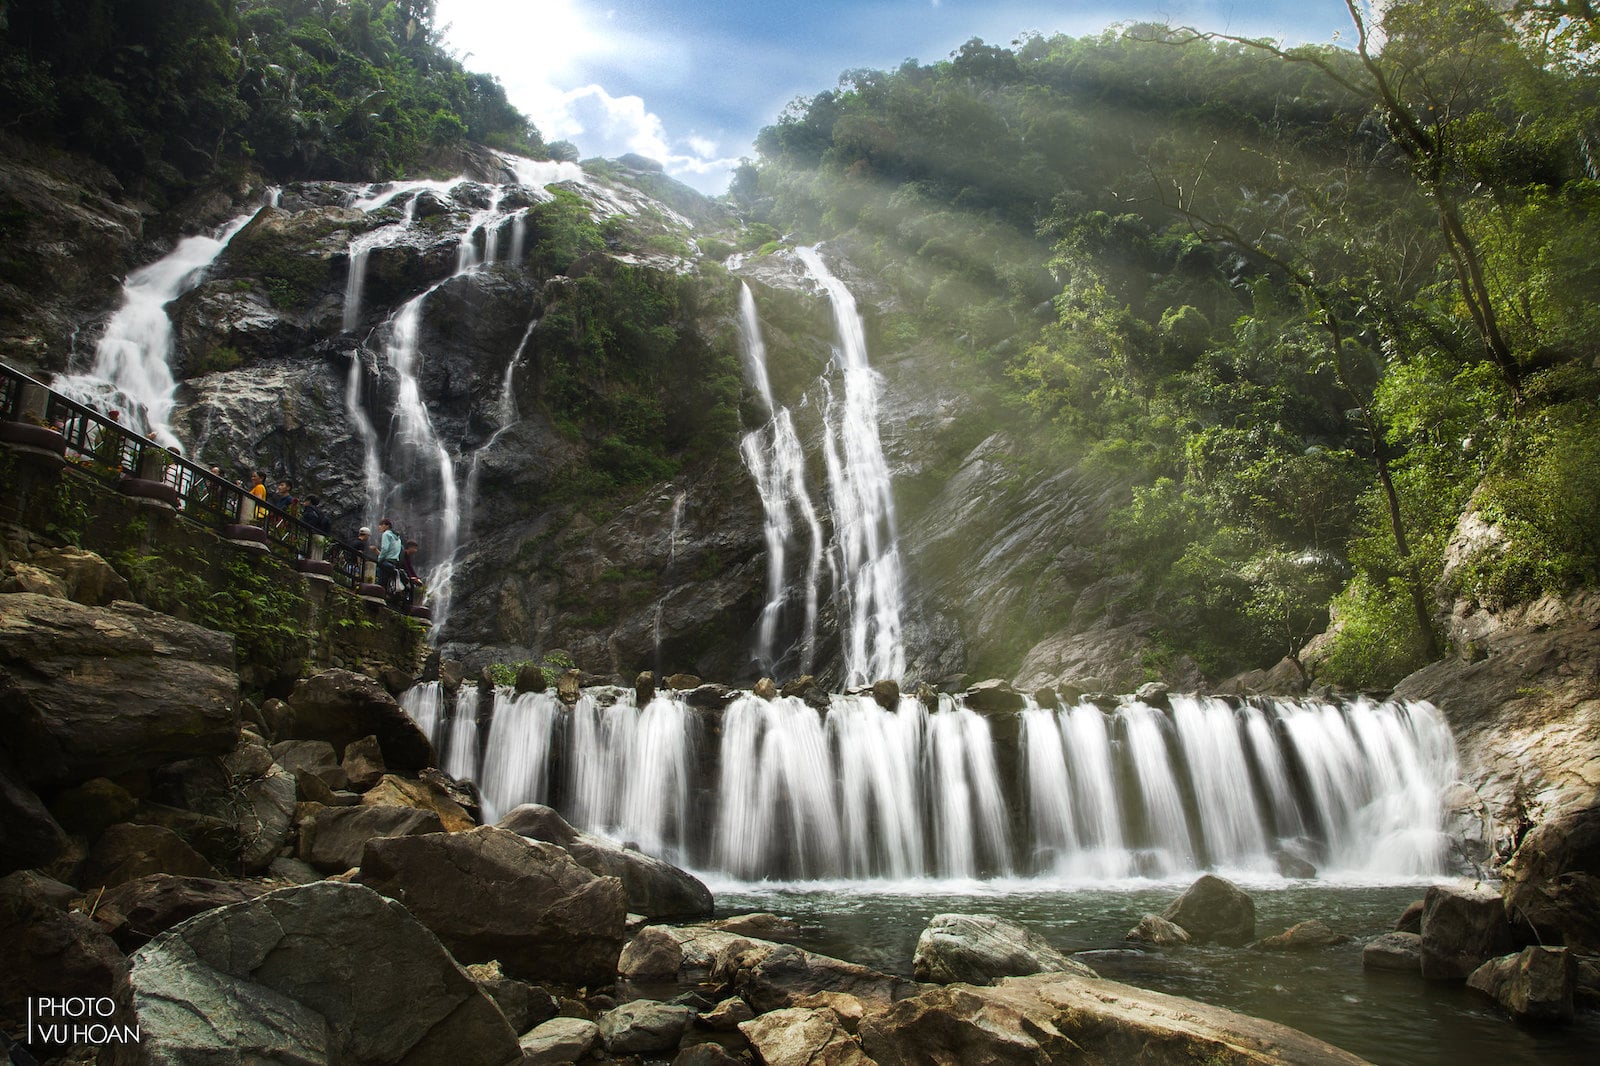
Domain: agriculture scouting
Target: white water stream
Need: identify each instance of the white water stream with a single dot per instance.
(776, 461)
(773, 789)
(867, 570)
(132, 370)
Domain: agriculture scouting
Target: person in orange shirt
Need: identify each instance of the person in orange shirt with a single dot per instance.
(258, 489)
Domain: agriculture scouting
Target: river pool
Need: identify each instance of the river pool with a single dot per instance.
(1389, 1019)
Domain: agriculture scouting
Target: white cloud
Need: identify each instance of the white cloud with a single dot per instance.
(544, 54)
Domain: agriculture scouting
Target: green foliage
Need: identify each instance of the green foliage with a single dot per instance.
(623, 367)
(67, 510)
(167, 92)
(1308, 302)
(552, 666)
(216, 359)
(246, 597)
(1375, 641)
(1544, 499)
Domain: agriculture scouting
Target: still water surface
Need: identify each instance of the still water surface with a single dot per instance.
(1389, 1019)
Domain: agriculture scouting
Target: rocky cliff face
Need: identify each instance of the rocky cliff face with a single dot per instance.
(594, 500)
(518, 380)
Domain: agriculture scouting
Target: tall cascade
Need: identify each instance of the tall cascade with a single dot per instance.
(866, 553)
(132, 364)
(775, 790)
(409, 470)
(775, 460)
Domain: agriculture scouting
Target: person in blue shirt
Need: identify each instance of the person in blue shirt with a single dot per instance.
(388, 554)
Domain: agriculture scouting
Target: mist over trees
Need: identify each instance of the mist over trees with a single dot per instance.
(1316, 303)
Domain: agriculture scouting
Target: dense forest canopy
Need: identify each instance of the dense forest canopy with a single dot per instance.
(1316, 303)
(169, 93)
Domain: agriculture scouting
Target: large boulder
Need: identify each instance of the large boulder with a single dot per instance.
(1065, 1018)
(245, 790)
(1154, 929)
(558, 1041)
(126, 852)
(98, 691)
(799, 1036)
(47, 951)
(772, 976)
(1214, 908)
(314, 757)
(491, 894)
(1536, 985)
(1397, 952)
(332, 839)
(326, 972)
(642, 1026)
(1553, 881)
(136, 911)
(423, 794)
(341, 707)
(83, 576)
(523, 1005)
(1462, 928)
(30, 836)
(981, 948)
(1302, 936)
(656, 889)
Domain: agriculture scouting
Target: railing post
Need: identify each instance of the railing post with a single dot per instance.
(32, 399)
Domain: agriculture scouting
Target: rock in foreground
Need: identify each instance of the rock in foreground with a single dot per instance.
(319, 973)
(1553, 881)
(1064, 1018)
(981, 948)
(656, 889)
(490, 894)
(1214, 908)
(1534, 986)
(97, 691)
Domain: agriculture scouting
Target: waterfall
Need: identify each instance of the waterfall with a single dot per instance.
(775, 460)
(630, 771)
(460, 750)
(417, 442)
(672, 557)
(522, 732)
(132, 365)
(780, 789)
(867, 555)
(413, 441)
(425, 704)
(371, 462)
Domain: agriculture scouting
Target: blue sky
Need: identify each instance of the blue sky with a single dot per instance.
(690, 82)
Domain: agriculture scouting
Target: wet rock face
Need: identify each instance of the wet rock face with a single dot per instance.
(980, 948)
(490, 894)
(69, 239)
(1553, 881)
(1531, 750)
(97, 691)
(321, 973)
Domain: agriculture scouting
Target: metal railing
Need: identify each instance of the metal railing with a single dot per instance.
(100, 447)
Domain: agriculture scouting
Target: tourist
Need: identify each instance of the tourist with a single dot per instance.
(316, 521)
(408, 575)
(365, 553)
(388, 554)
(284, 499)
(258, 489)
